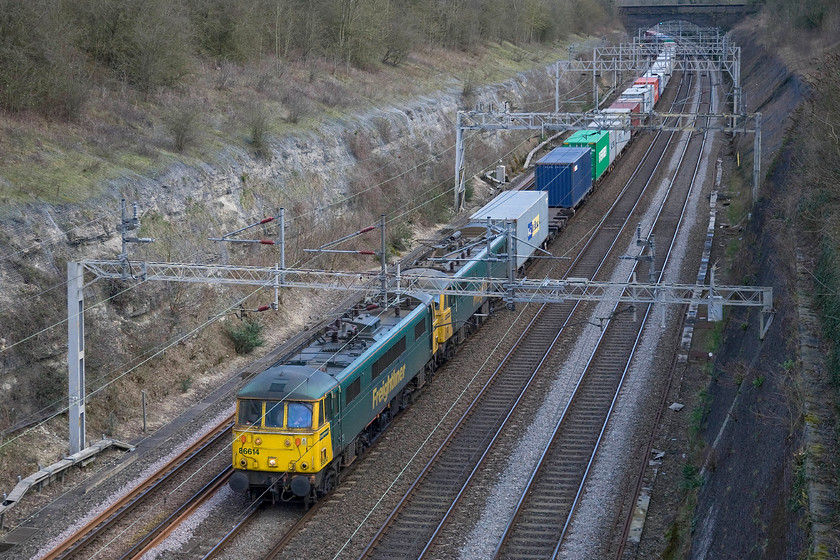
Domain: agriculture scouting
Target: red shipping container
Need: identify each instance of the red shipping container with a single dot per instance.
(654, 82)
(634, 106)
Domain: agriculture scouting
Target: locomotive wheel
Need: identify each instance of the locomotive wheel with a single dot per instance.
(329, 483)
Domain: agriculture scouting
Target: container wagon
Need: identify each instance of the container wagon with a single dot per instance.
(528, 210)
(640, 94)
(618, 137)
(566, 175)
(652, 81)
(599, 142)
(633, 107)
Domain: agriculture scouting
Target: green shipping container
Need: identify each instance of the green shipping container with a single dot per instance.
(599, 142)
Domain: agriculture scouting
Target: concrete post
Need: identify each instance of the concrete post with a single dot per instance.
(76, 355)
(459, 164)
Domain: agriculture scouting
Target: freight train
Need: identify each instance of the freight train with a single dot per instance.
(570, 172)
(310, 415)
(305, 418)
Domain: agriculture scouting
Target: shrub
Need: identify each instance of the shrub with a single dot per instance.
(245, 336)
(400, 236)
(469, 191)
(296, 104)
(691, 477)
(186, 382)
(146, 42)
(39, 68)
(181, 121)
(468, 92)
(258, 123)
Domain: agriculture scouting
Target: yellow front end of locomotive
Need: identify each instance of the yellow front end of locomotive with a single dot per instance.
(281, 437)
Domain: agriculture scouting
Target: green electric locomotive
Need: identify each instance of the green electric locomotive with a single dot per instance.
(305, 418)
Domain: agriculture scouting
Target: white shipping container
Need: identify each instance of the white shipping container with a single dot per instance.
(528, 209)
(661, 70)
(666, 66)
(615, 113)
(618, 137)
(642, 94)
(597, 125)
(663, 78)
(622, 137)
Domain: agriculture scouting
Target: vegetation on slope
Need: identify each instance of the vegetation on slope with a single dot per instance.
(813, 181)
(93, 89)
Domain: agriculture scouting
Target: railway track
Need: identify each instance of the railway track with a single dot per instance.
(694, 152)
(450, 477)
(105, 535)
(411, 529)
(545, 508)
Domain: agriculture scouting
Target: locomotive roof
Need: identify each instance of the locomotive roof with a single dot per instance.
(289, 382)
(428, 280)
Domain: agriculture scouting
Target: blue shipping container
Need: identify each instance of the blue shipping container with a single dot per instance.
(566, 173)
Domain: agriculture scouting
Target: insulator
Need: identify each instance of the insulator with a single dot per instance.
(266, 220)
(367, 229)
(366, 252)
(266, 242)
(263, 308)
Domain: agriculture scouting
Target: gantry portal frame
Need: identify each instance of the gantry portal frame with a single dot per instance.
(559, 122)
(511, 290)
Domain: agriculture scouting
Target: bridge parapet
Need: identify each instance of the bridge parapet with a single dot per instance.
(712, 14)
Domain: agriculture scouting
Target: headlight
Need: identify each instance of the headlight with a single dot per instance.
(258, 441)
(287, 442)
(272, 461)
(304, 466)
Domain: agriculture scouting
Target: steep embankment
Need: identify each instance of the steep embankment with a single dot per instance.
(397, 160)
(752, 428)
(743, 484)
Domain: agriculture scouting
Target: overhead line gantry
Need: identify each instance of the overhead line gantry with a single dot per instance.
(696, 49)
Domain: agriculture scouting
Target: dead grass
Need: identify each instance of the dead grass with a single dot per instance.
(122, 131)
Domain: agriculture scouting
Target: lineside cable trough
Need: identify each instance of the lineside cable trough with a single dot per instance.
(45, 475)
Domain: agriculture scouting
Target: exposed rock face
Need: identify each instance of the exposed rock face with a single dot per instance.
(312, 174)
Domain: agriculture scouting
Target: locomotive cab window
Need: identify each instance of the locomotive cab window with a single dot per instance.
(327, 406)
(300, 415)
(250, 412)
(274, 414)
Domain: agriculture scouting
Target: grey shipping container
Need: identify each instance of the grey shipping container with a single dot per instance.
(618, 137)
(566, 174)
(642, 94)
(528, 209)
